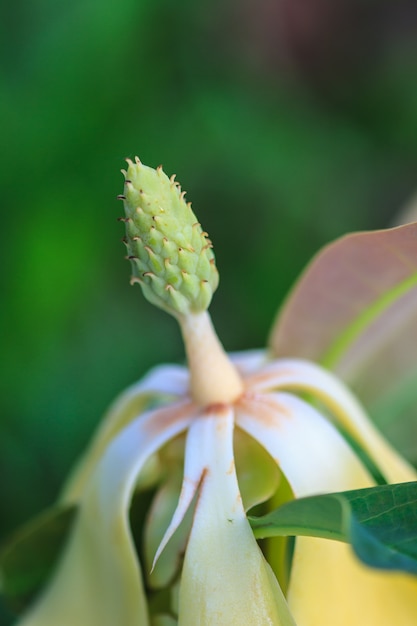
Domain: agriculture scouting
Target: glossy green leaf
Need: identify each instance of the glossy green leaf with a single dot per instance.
(28, 557)
(379, 522)
(354, 310)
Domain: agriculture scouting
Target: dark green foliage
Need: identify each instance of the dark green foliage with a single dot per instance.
(380, 522)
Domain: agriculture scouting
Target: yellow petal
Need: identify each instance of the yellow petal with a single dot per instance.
(330, 587)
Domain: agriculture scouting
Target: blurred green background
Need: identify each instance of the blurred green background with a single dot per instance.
(287, 122)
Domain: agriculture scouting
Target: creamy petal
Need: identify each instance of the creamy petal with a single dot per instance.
(225, 578)
(307, 447)
(98, 581)
(194, 467)
(303, 376)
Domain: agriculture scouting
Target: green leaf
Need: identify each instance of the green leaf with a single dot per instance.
(354, 310)
(379, 522)
(28, 557)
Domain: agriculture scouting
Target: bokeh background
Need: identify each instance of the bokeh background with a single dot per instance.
(288, 122)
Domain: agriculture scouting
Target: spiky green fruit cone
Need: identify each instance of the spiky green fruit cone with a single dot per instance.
(171, 255)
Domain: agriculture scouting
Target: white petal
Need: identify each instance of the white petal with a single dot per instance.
(164, 380)
(303, 376)
(225, 579)
(98, 581)
(310, 451)
(194, 466)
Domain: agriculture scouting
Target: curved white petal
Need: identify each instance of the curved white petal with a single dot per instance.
(328, 585)
(194, 467)
(164, 380)
(225, 579)
(303, 376)
(310, 451)
(98, 581)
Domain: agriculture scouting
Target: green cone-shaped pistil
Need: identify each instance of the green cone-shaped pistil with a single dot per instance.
(171, 256)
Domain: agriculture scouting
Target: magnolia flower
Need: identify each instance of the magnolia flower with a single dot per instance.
(213, 440)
